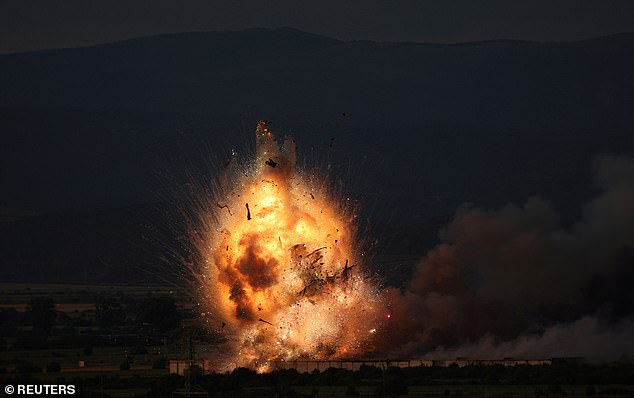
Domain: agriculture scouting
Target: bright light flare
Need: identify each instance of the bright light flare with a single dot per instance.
(283, 272)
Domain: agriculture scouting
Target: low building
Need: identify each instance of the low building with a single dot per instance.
(179, 366)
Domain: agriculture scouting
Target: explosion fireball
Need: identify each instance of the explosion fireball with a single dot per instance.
(283, 273)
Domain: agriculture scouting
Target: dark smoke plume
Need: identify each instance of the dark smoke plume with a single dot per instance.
(515, 282)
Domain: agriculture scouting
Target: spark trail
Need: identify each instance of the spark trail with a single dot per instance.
(282, 267)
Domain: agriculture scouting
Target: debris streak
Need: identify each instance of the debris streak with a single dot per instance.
(287, 281)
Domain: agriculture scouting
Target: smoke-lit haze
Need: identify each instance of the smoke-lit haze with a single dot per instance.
(516, 282)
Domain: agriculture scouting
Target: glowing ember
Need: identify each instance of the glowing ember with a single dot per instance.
(282, 271)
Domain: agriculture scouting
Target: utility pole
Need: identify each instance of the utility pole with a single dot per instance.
(190, 390)
(190, 357)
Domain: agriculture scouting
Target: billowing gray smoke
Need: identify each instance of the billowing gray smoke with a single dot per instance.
(590, 337)
(515, 282)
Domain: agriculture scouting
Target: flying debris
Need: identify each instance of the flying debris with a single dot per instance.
(345, 273)
(224, 207)
(289, 249)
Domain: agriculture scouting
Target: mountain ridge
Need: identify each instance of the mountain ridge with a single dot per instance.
(85, 128)
(190, 34)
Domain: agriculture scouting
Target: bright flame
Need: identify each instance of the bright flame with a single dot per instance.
(283, 272)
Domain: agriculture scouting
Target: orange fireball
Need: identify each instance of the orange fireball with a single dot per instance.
(283, 271)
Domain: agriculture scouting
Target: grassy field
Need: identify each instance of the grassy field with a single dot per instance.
(102, 358)
(20, 293)
(493, 391)
(99, 351)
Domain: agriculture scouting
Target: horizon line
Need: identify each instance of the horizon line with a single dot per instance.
(288, 28)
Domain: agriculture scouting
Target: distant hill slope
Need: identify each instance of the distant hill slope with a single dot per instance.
(121, 246)
(419, 128)
(144, 245)
(499, 83)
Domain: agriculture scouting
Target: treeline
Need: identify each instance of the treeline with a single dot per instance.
(114, 321)
(242, 382)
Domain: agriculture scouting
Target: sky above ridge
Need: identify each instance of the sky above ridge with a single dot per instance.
(38, 24)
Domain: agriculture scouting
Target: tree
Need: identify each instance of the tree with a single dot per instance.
(41, 312)
(53, 367)
(8, 317)
(160, 312)
(160, 363)
(109, 313)
(352, 391)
